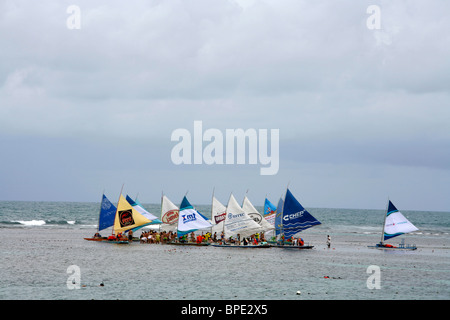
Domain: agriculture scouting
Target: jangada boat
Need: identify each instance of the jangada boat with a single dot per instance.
(395, 224)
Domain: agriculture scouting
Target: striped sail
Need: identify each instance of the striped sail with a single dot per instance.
(396, 224)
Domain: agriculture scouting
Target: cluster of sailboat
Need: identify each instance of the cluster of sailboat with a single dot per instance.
(285, 221)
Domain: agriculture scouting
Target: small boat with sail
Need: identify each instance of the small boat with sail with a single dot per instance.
(238, 223)
(106, 218)
(291, 218)
(395, 224)
(190, 220)
(125, 217)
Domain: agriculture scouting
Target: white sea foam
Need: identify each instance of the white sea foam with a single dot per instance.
(31, 222)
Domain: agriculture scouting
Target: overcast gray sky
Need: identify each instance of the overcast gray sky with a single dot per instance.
(363, 114)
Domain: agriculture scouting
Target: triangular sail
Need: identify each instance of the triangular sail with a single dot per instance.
(396, 224)
(218, 213)
(269, 208)
(127, 217)
(169, 214)
(248, 207)
(190, 219)
(295, 217)
(238, 222)
(107, 214)
(136, 205)
(279, 218)
(270, 212)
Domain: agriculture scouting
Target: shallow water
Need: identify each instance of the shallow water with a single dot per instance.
(34, 266)
(35, 259)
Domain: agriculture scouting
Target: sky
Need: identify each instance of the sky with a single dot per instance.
(89, 99)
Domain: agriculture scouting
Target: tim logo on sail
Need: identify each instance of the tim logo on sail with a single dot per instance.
(188, 217)
(222, 151)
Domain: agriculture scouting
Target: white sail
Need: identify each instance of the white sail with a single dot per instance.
(190, 219)
(169, 215)
(218, 213)
(239, 222)
(248, 207)
(396, 224)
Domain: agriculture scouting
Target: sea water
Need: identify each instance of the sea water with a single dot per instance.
(42, 242)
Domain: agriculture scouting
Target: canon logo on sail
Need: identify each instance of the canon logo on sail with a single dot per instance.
(293, 215)
(232, 216)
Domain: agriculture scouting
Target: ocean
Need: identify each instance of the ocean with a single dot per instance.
(44, 257)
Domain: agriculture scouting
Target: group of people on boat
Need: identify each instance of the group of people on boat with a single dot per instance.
(153, 236)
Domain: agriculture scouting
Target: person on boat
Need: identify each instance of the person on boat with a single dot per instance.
(239, 239)
(245, 241)
(130, 235)
(301, 242)
(214, 238)
(97, 235)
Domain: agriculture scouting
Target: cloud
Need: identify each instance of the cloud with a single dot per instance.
(340, 94)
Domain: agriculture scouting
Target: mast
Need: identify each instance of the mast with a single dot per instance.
(384, 222)
(212, 207)
(162, 195)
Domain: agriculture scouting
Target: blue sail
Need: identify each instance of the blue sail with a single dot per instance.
(107, 214)
(279, 218)
(295, 217)
(269, 207)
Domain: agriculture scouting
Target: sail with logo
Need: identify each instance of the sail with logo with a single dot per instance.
(237, 221)
(295, 217)
(395, 224)
(169, 214)
(270, 212)
(128, 217)
(189, 219)
(218, 213)
(248, 207)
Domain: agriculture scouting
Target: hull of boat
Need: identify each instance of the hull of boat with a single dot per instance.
(95, 239)
(393, 248)
(107, 241)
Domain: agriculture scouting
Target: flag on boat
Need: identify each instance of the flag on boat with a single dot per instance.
(295, 217)
(396, 224)
(137, 205)
(269, 208)
(248, 207)
(237, 221)
(190, 219)
(128, 217)
(107, 214)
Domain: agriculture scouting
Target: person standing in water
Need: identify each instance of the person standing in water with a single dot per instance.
(328, 241)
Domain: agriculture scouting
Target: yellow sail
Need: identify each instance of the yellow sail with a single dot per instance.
(127, 218)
